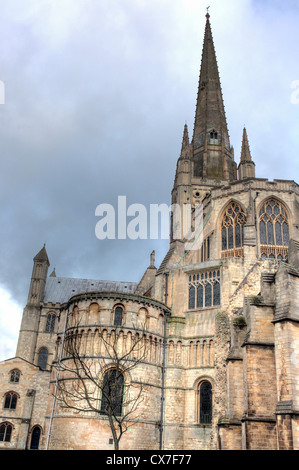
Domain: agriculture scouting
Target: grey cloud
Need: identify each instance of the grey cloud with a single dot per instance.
(95, 108)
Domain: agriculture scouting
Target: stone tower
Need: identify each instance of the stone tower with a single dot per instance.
(32, 311)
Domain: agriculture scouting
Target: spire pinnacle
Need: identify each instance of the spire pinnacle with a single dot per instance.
(245, 153)
(185, 151)
(247, 166)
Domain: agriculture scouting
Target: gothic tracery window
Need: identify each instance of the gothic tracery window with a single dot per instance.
(232, 236)
(5, 432)
(274, 230)
(204, 290)
(10, 401)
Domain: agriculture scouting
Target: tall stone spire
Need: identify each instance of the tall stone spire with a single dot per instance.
(212, 154)
(246, 167)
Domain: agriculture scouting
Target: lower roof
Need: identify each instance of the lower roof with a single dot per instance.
(61, 289)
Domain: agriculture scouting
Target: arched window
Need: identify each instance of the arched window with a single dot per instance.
(232, 225)
(112, 393)
(5, 432)
(205, 402)
(118, 316)
(15, 376)
(42, 358)
(191, 297)
(50, 323)
(213, 137)
(10, 401)
(204, 290)
(35, 437)
(274, 230)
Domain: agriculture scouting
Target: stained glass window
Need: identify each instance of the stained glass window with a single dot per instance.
(232, 236)
(274, 230)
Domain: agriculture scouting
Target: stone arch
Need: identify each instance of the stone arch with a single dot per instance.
(119, 314)
(204, 393)
(93, 316)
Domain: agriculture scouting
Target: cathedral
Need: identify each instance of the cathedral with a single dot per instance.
(217, 327)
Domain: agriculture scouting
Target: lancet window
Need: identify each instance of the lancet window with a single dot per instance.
(274, 230)
(232, 226)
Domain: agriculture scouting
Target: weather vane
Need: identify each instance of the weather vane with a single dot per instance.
(208, 14)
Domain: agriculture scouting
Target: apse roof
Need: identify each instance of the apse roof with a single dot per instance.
(60, 289)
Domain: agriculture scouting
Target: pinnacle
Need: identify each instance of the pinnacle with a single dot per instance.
(245, 153)
(185, 143)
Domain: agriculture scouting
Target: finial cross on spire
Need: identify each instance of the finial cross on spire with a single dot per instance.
(208, 14)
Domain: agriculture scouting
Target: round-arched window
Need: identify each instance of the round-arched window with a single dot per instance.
(112, 393)
(43, 358)
(205, 405)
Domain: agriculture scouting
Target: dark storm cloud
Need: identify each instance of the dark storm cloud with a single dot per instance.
(97, 94)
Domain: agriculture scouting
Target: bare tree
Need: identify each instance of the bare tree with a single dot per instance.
(100, 382)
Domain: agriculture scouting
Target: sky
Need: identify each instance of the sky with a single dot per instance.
(94, 98)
